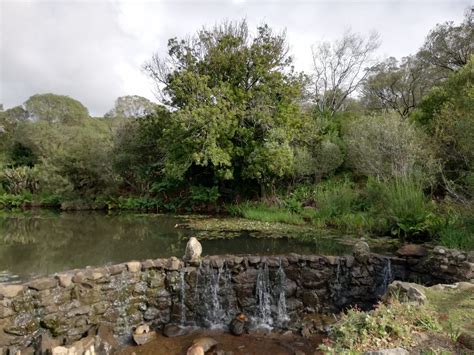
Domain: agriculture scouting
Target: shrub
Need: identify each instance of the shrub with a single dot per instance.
(19, 179)
(388, 147)
(387, 326)
(403, 204)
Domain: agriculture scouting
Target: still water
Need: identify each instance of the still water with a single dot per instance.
(43, 242)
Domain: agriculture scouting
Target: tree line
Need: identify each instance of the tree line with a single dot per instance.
(236, 121)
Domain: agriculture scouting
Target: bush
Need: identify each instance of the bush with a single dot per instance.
(19, 179)
(388, 147)
(387, 326)
(402, 203)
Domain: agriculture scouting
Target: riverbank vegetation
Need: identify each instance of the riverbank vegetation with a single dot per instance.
(357, 145)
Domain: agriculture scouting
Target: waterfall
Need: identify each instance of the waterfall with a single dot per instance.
(282, 315)
(386, 278)
(211, 296)
(182, 295)
(264, 313)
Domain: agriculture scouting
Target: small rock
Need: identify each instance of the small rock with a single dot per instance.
(173, 330)
(43, 283)
(206, 343)
(361, 251)
(405, 292)
(141, 338)
(193, 250)
(173, 264)
(195, 350)
(60, 350)
(65, 280)
(10, 291)
(467, 340)
(412, 250)
(134, 266)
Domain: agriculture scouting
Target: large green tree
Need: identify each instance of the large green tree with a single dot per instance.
(131, 106)
(235, 100)
(55, 108)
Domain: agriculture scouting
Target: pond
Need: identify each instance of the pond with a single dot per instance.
(42, 242)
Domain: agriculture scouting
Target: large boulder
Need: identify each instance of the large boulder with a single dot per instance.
(361, 251)
(405, 292)
(193, 250)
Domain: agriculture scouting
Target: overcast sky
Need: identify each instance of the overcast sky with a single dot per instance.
(93, 50)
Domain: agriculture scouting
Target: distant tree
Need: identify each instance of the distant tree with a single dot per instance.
(449, 46)
(131, 107)
(55, 109)
(340, 68)
(138, 154)
(398, 86)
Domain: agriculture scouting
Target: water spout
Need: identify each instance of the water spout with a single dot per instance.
(282, 315)
(264, 316)
(386, 278)
(182, 295)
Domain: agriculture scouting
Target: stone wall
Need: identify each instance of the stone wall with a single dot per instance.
(272, 290)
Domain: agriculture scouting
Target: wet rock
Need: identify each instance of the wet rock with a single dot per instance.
(193, 250)
(361, 251)
(405, 292)
(151, 313)
(412, 250)
(174, 330)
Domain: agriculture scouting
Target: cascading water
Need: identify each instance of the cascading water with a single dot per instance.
(182, 296)
(282, 315)
(264, 312)
(212, 296)
(386, 278)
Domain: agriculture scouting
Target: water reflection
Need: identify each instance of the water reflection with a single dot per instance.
(43, 242)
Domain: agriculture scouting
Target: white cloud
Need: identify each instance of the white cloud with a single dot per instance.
(93, 51)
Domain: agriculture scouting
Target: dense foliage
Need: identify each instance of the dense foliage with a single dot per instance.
(368, 148)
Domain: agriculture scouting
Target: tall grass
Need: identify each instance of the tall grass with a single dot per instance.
(405, 207)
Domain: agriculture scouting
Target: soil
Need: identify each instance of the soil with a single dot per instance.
(257, 343)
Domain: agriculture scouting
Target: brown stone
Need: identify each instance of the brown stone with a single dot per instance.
(65, 280)
(134, 266)
(43, 283)
(412, 250)
(173, 264)
(10, 291)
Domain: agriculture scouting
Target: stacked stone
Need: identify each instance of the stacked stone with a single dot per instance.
(126, 295)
